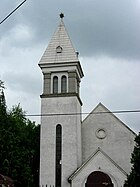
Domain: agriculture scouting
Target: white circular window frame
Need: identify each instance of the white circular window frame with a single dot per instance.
(101, 133)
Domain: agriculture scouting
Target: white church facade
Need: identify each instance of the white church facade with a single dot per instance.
(94, 152)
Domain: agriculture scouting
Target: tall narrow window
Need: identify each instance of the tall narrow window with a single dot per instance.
(63, 84)
(55, 84)
(58, 156)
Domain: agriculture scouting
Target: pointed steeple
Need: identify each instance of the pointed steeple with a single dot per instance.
(60, 60)
(60, 48)
(60, 135)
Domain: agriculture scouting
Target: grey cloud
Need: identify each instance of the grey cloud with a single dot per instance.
(96, 27)
(22, 82)
(115, 84)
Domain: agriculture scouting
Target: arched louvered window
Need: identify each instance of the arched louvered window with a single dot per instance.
(63, 84)
(55, 84)
(59, 49)
(58, 155)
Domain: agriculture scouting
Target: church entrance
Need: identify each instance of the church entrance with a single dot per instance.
(98, 179)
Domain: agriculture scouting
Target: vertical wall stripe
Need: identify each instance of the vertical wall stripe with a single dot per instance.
(58, 168)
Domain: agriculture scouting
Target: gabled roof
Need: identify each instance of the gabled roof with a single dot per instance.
(60, 48)
(98, 151)
(100, 108)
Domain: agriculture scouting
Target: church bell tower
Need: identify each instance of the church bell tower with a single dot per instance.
(60, 138)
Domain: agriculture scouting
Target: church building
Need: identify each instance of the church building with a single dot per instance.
(94, 152)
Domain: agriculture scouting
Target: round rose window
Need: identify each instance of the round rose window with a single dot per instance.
(101, 133)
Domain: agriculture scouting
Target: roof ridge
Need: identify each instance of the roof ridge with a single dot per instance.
(111, 113)
(98, 150)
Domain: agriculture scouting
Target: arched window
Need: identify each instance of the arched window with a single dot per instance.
(55, 84)
(58, 155)
(63, 84)
(98, 178)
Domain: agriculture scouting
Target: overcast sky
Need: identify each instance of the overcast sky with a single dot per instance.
(106, 33)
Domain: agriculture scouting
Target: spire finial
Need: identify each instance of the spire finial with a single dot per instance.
(61, 15)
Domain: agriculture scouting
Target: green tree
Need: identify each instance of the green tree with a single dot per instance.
(26, 149)
(2, 100)
(133, 179)
(1, 85)
(19, 147)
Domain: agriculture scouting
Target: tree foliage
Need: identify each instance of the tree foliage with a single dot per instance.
(133, 179)
(19, 145)
(1, 85)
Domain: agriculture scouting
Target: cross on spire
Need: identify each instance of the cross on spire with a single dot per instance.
(61, 15)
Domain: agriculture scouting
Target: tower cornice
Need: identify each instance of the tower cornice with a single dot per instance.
(51, 66)
(62, 95)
